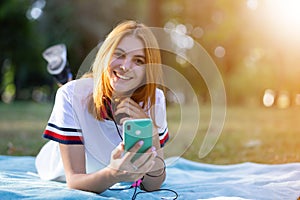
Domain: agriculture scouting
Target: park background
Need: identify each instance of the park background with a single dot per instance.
(254, 43)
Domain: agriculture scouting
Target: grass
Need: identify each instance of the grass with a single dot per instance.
(250, 134)
(21, 127)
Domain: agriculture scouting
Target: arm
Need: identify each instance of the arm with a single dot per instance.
(73, 157)
(120, 168)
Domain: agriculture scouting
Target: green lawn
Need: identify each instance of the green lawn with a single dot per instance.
(21, 127)
(254, 134)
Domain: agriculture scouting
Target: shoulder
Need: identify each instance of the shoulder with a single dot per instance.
(77, 84)
(81, 86)
(159, 96)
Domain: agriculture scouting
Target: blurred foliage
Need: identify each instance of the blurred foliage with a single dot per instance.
(255, 57)
(20, 47)
(81, 25)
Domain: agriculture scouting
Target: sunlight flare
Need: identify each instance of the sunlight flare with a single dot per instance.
(284, 14)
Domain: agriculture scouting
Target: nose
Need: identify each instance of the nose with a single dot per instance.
(126, 65)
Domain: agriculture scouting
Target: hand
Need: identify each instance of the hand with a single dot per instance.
(125, 170)
(132, 110)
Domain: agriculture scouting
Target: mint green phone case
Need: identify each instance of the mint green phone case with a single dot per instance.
(135, 130)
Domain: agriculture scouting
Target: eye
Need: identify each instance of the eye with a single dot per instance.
(118, 54)
(139, 61)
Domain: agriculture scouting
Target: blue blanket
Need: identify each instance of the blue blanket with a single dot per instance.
(189, 179)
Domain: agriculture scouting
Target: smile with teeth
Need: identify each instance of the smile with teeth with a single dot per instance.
(121, 76)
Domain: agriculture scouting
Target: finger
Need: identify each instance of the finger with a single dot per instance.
(124, 119)
(129, 103)
(128, 100)
(124, 110)
(132, 102)
(151, 152)
(118, 151)
(128, 109)
(131, 108)
(123, 103)
(132, 112)
(129, 155)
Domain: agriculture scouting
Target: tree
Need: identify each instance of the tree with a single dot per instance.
(20, 45)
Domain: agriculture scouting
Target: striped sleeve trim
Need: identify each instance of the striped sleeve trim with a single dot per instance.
(164, 137)
(63, 135)
(64, 129)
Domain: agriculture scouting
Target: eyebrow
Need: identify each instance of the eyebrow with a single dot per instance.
(123, 51)
(119, 49)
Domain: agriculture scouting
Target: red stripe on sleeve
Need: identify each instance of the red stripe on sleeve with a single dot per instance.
(164, 139)
(63, 137)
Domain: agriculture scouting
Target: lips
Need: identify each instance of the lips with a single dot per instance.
(120, 76)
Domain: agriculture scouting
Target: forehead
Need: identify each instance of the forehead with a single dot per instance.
(132, 44)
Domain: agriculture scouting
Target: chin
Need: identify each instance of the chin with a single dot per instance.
(121, 90)
(124, 92)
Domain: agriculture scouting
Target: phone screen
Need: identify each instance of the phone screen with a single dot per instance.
(135, 130)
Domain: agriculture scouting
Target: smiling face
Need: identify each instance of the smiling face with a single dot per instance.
(127, 69)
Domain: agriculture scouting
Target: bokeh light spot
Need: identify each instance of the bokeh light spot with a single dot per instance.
(220, 52)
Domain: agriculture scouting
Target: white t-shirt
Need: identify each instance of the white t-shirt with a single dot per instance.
(71, 123)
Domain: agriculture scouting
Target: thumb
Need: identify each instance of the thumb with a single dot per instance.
(118, 151)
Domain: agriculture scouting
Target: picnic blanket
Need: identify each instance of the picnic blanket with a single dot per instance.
(191, 180)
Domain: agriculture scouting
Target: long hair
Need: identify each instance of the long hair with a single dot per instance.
(102, 88)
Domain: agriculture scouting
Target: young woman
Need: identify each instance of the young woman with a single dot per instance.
(85, 127)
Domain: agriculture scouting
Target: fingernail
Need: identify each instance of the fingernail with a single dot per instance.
(141, 142)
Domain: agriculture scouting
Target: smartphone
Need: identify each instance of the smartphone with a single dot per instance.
(135, 130)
